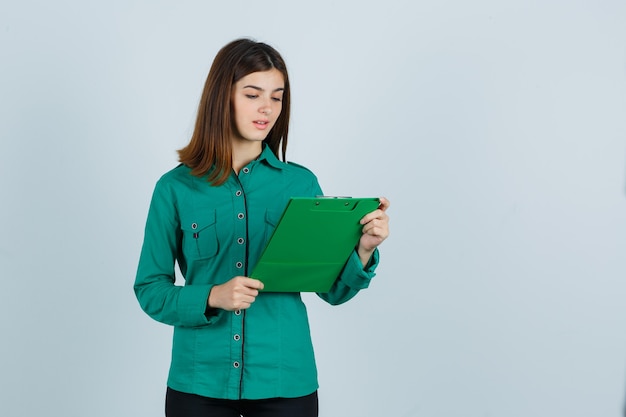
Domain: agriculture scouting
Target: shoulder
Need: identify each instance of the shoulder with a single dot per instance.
(300, 180)
(297, 169)
(179, 175)
(174, 183)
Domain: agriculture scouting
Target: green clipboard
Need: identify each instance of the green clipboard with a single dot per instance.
(311, 243)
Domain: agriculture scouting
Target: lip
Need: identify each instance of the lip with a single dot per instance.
(261, 124)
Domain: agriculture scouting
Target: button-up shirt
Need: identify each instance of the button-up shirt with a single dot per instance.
(216, 233)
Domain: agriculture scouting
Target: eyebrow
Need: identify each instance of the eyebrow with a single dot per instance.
(261, 89)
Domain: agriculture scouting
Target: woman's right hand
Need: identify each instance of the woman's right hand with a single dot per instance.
(237, 294)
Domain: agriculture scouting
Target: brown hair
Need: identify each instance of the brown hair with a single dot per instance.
(210, 150)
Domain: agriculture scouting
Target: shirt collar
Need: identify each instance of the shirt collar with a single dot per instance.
(268, 156)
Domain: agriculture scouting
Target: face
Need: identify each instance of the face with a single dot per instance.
(257, 103)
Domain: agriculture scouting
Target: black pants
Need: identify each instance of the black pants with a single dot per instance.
(180, 404)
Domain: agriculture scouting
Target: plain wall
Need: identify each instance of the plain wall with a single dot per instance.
(496, 129)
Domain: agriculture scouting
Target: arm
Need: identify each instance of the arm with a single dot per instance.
(154, 283)
(359, 269)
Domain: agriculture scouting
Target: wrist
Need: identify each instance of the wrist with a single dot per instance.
(211, 299)
(365, 255)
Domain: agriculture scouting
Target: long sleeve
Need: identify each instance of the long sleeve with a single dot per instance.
(353, 278)
(154, 285)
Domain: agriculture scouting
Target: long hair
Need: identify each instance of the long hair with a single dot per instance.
(210, 149)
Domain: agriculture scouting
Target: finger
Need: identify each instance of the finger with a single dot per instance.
(375, 215)
(243, 301)
(241, 305)
(369, 226)
(253, 283)
(376, 228)
(384, 204)
(249, 299)
(371, 216)
(376, 231)
(378, 213)
(246, 295)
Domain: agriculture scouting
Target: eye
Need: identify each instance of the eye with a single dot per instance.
(251, 96)
(278, 99)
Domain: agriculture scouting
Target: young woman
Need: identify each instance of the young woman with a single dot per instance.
(236, 350)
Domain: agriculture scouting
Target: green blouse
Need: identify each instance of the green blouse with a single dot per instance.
(215, 234)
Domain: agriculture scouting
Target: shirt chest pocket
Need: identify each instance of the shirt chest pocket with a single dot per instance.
(200, 235)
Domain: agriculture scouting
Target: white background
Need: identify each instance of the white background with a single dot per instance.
(496, 128)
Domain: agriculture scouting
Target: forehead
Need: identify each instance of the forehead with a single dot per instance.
(267, 80)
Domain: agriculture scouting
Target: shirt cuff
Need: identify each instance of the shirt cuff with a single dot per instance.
(193, 306)
(356, 276)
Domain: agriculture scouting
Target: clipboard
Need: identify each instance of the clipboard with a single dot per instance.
(311, 243)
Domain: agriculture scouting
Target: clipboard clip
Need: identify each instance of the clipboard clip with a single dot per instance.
(331, 197)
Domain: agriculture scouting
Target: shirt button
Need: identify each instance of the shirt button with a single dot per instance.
(237, 312)
(236, 364)
(240, 241)
(240, 216)
(246, 170)
(238, 193)
(236, 337)
(239, 264)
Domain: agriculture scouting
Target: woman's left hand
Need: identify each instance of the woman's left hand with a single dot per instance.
(375, 231)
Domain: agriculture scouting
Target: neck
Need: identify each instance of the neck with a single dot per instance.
(245, 152)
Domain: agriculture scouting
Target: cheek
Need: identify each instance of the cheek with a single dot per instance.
(278, 110)
(240, 114)
(238, 122)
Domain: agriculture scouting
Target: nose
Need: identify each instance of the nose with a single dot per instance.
(266, 109)
(266, 106)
